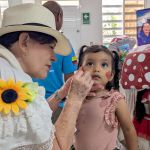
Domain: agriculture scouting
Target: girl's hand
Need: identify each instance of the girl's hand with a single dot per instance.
(80, 86)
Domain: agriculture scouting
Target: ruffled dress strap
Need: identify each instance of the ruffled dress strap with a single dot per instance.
(109, 115)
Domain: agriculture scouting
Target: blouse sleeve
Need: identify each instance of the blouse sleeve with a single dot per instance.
(109, 116)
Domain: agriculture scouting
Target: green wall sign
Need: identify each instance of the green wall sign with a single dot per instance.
(86, 18)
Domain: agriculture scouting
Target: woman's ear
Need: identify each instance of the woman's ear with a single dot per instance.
(23, 41)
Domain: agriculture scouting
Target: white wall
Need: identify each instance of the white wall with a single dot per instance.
(71, 25)
(91, 33)
(14, 2)
(147, 3)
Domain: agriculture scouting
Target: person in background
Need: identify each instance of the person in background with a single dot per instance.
(144, 35)
(61, 69)
(97, 123)
(142, 119)
(28, 40)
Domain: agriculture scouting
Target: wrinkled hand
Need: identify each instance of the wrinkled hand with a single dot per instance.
(63, 91)
(81, 85)
(96, 86)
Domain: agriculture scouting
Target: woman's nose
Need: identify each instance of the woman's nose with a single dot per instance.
(52, 57)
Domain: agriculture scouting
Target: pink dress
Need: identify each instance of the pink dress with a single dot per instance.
(97, 123)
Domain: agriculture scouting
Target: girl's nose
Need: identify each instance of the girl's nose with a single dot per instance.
(97, 68)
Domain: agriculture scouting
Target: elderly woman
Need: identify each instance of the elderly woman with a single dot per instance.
(28, 41)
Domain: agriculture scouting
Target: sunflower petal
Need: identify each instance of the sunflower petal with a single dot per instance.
(18, 86)
(1, 108)
(19, 83)
(23, 96)
(7, 108)
(15, 108)
(10, 83)
(2, 84)
(21, 104)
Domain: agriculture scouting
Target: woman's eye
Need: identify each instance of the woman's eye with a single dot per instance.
(104, 65)
(52, 47)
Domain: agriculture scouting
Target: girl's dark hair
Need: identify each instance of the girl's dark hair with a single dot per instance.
(139, 107)
(115, 62)
(8, 39)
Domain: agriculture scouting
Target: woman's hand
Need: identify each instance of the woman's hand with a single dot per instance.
(81, 85)
(63, 91)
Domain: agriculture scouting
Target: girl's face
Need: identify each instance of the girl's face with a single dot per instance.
(146, 29)
(37, 59)
(100, 66)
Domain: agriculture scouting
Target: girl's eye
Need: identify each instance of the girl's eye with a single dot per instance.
(89, 64)
(104, 65)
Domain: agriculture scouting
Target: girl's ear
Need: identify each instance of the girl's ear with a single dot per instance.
(23, 41)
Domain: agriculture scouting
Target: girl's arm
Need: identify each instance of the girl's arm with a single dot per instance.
(127, 126)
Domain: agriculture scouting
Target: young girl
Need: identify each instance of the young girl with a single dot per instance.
(142, 119)
(97, 124)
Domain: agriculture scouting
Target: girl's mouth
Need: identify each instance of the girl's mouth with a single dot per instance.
(95, 77)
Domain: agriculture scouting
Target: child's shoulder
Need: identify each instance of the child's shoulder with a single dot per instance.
(110, 118)
(116, 95)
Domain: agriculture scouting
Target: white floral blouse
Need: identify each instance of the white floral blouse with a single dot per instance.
(23, 125)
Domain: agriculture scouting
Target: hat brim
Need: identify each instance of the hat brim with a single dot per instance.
(62, 47)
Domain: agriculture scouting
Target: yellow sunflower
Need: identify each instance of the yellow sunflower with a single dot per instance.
(13, 96)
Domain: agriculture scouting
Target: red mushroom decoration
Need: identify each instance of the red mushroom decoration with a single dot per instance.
(136, 69)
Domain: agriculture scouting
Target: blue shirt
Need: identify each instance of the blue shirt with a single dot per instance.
(55, 77)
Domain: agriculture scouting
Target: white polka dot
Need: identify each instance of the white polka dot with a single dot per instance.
(132, 87)
(134, 55)
(141, 58)
(134, 67)
(129, 61)
(147, 76)
(145, 86)
(139, 79)
(125, 83)
(125, 70)
(131, 77)
(145, 67)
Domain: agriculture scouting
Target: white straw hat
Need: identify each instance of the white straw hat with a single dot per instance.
(32, 17)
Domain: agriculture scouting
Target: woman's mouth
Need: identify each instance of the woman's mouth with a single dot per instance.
(48, 66)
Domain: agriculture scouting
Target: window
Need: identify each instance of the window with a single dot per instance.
(66, 2)
(112, 19)
(119, 18)
(3, 6)
(130, 8)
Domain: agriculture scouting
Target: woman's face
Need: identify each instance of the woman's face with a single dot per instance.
(146, 29)
(37, 58)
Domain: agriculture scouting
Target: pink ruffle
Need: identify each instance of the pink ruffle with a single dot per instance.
(109, 115)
